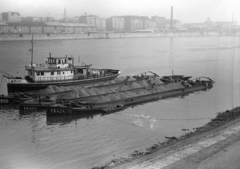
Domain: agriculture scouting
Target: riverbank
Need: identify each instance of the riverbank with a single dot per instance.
(57, 36)
(219, 133)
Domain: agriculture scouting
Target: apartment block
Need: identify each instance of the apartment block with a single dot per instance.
(115, 24)
(94, 20)
(11, 17)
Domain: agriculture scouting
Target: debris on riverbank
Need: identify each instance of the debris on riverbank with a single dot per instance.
(220, 119)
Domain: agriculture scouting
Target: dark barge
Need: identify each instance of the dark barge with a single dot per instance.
(79, 106)
(14, 99)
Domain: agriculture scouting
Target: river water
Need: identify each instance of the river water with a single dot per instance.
(35, 141)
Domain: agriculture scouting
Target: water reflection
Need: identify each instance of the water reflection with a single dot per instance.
(35, 119)
(30, 113)
(7, 107)
(66, 119)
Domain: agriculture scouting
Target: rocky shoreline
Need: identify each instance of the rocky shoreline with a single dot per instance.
(221, 119)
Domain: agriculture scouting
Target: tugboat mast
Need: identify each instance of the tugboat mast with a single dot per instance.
(32, 53)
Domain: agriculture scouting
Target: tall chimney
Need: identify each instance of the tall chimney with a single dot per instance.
(171, 26)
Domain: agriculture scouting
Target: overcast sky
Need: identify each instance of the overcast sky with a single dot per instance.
(184, 10)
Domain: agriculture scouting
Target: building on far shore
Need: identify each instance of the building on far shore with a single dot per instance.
(94, 20)
(195, 26)
(176, 24)
(141, 24)
(135, 23)
(11, 17)
(160, 22)
(12, 22)
(37, 19)
(45, 27)
(209, 25)
(115, 24)
(165, 24)
(3, 27)
(152, 25)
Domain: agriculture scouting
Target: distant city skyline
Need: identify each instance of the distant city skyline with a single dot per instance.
(187, 11)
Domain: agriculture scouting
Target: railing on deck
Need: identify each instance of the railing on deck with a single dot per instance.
(92, 76)
(64, 78)
(50, 79)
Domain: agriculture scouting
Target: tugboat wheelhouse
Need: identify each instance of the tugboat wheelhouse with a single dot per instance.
(55, 69)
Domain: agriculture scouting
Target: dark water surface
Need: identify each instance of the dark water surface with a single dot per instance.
(35, 141)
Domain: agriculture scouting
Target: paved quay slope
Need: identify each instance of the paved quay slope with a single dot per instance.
(215, 148)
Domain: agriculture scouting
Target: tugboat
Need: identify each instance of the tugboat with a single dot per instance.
(59, 71)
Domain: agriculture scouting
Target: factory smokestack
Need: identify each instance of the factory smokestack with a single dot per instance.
(171, 26)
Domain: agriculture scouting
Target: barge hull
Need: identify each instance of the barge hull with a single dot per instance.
(61, 110)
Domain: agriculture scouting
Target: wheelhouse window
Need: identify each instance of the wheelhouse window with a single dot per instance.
(52, 73)
(80, 70)
(42, 73)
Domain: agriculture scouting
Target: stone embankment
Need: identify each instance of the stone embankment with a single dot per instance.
(222, 118)
(56, 36)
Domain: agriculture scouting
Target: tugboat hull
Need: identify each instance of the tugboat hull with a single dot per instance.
(25, 87)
